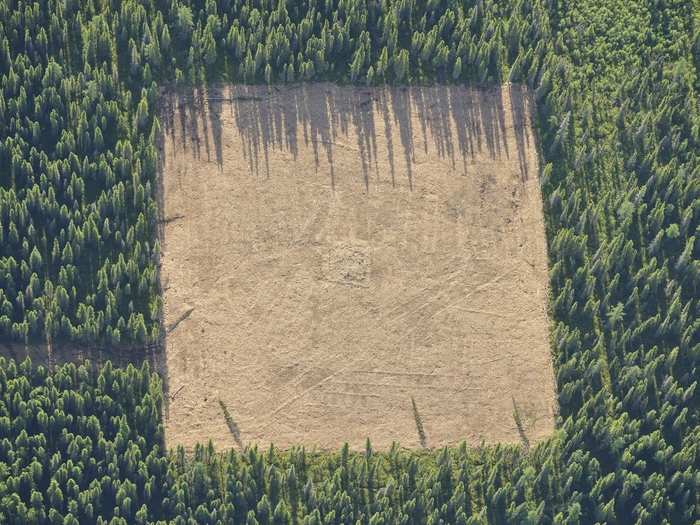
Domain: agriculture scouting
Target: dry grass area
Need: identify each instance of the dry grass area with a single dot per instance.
(341, 263)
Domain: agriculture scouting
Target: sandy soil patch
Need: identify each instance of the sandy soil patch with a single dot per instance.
(339, 263)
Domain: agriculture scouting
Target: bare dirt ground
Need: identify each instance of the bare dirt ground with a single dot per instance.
(341, 263)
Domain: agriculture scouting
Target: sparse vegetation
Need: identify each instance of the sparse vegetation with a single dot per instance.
(616, 83)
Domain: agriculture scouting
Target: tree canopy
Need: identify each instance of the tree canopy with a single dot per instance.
(616, 82)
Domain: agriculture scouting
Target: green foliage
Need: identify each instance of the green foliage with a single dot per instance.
(616, 85)
(76, 444)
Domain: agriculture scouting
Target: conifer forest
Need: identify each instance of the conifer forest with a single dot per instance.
(616, 85)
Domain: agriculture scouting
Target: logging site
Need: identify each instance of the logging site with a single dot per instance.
(343, 263)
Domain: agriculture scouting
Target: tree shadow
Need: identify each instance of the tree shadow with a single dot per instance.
(519, 425)
(197, 114)
(521, 108)
(167, 115)
(400, 108)
(422, 438)
(232, 426)
(455, 123)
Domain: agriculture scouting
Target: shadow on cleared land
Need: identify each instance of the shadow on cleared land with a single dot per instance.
(458, 121)
(461, 125)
